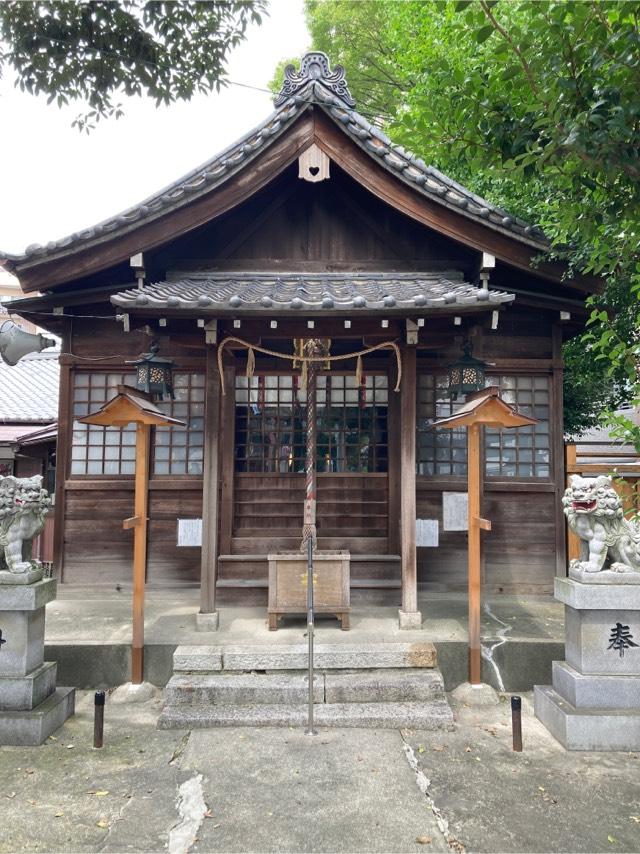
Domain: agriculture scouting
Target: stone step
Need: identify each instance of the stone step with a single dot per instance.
(339, 656)
(432, 715)
(241, 689)
(389, 686)
(374, 686)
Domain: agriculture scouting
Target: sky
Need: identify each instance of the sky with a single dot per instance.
(55, 180)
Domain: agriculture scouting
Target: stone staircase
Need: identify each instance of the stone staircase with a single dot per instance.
(386, 686)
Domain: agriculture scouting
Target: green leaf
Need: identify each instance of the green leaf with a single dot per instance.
(511, 71)
(483, 33)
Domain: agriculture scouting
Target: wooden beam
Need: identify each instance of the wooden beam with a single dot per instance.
(210, 490)
(140, 503)
(474, 463)
(408, 481)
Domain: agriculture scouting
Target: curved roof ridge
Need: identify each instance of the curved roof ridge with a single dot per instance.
(312, 91)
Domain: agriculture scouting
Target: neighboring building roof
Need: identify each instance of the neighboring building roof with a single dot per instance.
(315, 85)
(600, 435)
(228, 292)
(40, 434)
(29, 390)
(10, 433)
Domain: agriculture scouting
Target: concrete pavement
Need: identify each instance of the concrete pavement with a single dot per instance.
(267, 790)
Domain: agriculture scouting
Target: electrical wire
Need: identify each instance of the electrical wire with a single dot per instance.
(21, 311)
(150, 64)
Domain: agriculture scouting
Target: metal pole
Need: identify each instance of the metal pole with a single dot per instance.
(310, 729)
(98, 719)
(516, 723)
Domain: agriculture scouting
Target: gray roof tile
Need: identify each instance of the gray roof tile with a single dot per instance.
(260, 292)
(29, 390)
(321, 91)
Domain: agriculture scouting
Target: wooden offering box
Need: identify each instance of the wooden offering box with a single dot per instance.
(288, 585)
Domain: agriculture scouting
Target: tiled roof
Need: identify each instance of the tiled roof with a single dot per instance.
(234, 293)
(319, 88)
(29, 390)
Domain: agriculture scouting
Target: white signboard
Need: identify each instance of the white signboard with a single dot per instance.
(189, 532)
(427, 533)
(455, 511)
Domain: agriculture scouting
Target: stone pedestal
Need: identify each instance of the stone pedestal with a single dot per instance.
(31, 707)
(594, 703)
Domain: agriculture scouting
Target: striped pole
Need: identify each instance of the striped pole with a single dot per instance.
(311, 348)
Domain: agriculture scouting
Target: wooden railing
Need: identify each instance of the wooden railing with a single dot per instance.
(594, 459)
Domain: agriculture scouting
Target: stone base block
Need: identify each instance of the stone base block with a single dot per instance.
(28, 598)
(207, 622)
(589, 638)
(29, 728)
(589, 728)
(595, 691)
(23, 693)
(28, 577)
(410, 619)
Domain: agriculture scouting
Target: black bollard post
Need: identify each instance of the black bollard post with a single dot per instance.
(516, 723)
(98, 719)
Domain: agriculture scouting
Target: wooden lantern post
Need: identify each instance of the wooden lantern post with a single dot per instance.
(127, 407)
(483, 408)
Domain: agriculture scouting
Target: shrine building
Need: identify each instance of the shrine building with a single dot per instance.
(313, 225)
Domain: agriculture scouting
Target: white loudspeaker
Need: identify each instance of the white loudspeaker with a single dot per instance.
(16, 343)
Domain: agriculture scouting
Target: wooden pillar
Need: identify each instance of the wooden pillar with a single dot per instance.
(393, 477)
(227, 463)
(410, 617)
(573, 541)
(556, 425)
(474, 461)
(65, 426)
(139, 524)
(207, 619)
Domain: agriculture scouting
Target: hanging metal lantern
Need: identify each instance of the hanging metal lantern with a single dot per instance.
(467, 374)
(153, 374)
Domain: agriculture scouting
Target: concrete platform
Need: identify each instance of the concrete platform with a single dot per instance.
(88, 632)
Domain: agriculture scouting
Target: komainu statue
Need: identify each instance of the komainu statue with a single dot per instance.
(594, 512)
(23, 507)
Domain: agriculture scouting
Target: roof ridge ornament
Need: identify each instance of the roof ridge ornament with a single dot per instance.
(314, 67)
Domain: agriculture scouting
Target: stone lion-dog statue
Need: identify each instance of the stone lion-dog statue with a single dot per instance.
(594, 513)
(23, 507)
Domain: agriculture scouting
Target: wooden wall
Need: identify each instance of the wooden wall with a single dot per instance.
(98, 551)
(292, 225)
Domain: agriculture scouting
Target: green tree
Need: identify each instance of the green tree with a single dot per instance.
(535, 105)
(92, 52)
